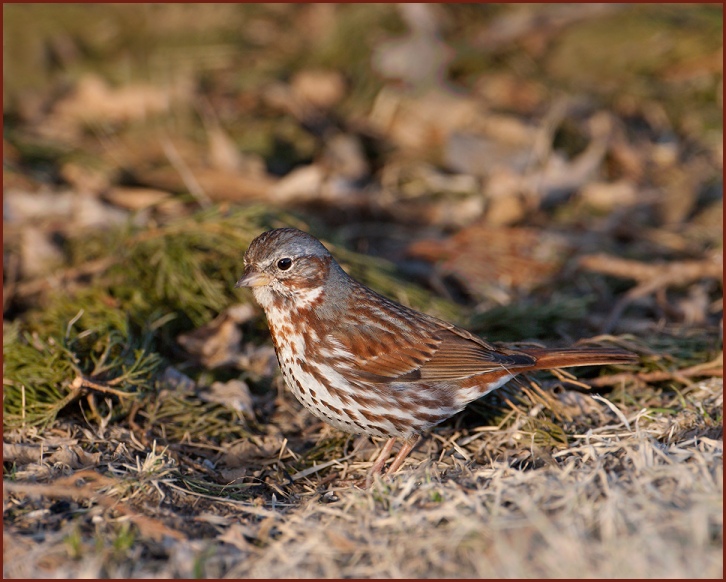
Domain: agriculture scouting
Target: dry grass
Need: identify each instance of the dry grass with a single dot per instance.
(488, 501)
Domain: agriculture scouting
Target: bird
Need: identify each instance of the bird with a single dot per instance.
(368, 365)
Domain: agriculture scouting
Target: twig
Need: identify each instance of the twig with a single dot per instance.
(241, 505)
(650, 278)
(81, 382)
(316, 468)
(69, 487)
(712, 368)
(195, 189)
(615, 409)
(37, 285)
(673, 273)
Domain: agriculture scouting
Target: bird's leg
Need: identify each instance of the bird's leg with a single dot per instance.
(382, 458)
(406, 448)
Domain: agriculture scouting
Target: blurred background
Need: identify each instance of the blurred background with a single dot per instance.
(534, 172)
(476, 146)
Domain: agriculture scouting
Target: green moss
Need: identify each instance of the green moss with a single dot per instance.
(121, 327)
(96, 343)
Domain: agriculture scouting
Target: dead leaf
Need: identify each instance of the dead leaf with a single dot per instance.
(301, 185)
(607, 196)
(219, 342)
(424, 122)
(39, 254)
(87, 177)
(20, 453)
(252, 451)
(95, 101)
(483, 257)
(74, 457)
(236, 535)
(217, 185)
(508, 92)
(234, 394)
(136, 198)
(319, 87)
(344, 157)
(173, 379)
(340, 541)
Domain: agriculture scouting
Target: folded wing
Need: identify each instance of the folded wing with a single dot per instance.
(426, 350)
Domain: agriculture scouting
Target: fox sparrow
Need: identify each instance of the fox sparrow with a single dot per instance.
(366, 364)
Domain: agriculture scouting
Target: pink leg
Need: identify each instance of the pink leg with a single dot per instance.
(406, 448)
(381, 460)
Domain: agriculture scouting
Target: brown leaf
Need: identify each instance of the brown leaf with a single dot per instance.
(482, 257)
(251, 451)
(218, 343)
(74, 457)
(234, 394)
(136, 198)
(20, 454)
(321, 88)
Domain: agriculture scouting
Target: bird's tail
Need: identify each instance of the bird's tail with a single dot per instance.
(571, 357)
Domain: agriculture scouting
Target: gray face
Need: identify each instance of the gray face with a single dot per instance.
(284, 264)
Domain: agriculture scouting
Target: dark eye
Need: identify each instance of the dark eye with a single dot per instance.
(284, 264)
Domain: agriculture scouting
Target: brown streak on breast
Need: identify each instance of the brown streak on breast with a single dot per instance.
(443, 401)
(371, 417)
(343, 396)
(401, 424)
(379, 428)
(273, 335)
(304, 366)
(300, 387)
(433, 418)
(362, 400)
(352, 414)
(311, 335)
(333, 408)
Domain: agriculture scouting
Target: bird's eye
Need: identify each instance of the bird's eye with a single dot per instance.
(284, 264)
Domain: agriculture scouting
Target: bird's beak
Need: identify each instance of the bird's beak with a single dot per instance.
(252, 278)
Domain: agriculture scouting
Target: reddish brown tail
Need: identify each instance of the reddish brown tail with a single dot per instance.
(570, 357)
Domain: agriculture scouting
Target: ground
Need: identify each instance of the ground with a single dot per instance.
(545, 174)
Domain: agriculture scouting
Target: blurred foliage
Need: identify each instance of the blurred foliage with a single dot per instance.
(646, 44)
(39, 373)
(529, 319)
